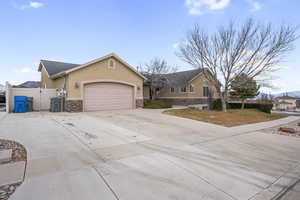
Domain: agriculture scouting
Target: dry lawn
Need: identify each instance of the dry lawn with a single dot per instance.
(230, 118)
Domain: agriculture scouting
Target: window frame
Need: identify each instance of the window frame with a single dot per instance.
(172, 90)
(185, 89)
(192, 86)
(205, 91)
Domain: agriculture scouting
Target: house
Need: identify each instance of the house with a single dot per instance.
(2, 94)
(186, 88)
(107, 83)
(287, 103)
(29, 84)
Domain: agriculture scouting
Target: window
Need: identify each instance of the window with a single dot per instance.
(205, 91)
(111, 64)
(191, 88)
(183, 89)
(172, 90)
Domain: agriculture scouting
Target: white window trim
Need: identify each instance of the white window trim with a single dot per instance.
(203, 91)
(181, 90)
(190, 88)
(171, 90)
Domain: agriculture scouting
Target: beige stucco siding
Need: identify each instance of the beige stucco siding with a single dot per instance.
(166, 92)
(101, 72)
(46, 82)
(60, 82)
(198, 83)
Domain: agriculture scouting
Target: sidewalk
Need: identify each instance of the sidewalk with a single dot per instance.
(263, 125)
(2, 114)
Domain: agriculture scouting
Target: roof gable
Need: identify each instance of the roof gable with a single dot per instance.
(56, 69)
(112, 55)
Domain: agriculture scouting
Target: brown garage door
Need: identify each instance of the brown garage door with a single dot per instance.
(107, 96)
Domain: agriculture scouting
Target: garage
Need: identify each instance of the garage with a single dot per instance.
(108, 96)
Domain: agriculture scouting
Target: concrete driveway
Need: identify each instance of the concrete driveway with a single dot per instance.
(143, 154)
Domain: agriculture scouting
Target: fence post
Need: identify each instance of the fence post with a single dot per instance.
(7, 96)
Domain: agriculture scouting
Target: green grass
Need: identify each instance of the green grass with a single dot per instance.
(230, 118)
(156, 104)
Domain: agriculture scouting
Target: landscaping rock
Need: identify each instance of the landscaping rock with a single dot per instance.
(287, 130)
(13, 159)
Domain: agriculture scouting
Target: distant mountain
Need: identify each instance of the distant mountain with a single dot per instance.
(29, 84)
(290, 94)
(295, 94)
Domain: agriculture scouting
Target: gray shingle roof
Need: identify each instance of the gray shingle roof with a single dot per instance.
(180, 79)
(54, 67)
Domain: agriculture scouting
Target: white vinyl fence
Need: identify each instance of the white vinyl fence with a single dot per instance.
(41, 97)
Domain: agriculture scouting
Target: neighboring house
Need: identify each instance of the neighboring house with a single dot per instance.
(2, 94)
(107, 83)
(2, 89)
(287, 103)
(186, 88)
(29, 84)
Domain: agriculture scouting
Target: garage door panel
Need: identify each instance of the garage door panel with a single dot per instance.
(108, 96)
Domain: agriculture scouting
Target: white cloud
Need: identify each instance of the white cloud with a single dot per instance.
(198, 7)
(35, 4)
(255, 5)
(25, 70)
(30, 4)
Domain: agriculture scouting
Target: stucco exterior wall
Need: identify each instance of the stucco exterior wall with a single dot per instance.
(100, 72)
(59, 83)
(46, 82)
(198, 84)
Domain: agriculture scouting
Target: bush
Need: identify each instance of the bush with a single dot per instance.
(217, 104)
(264, 107)
(157, 104)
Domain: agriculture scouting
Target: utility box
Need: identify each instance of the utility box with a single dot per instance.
(57, 104)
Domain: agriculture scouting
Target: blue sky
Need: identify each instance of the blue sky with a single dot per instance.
(137, 30)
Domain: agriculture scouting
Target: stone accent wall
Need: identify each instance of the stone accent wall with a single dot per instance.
(139, 103)
(73, 106)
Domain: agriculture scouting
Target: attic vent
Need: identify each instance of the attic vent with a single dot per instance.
(111, 64)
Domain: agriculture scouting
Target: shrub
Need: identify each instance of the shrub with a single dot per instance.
(157, 104)
(217, 104)
(264, 107)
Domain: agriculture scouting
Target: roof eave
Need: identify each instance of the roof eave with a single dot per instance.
(58, 75)
(43, 66)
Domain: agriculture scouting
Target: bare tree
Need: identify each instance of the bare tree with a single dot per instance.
(155, 71)
(253, 49)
